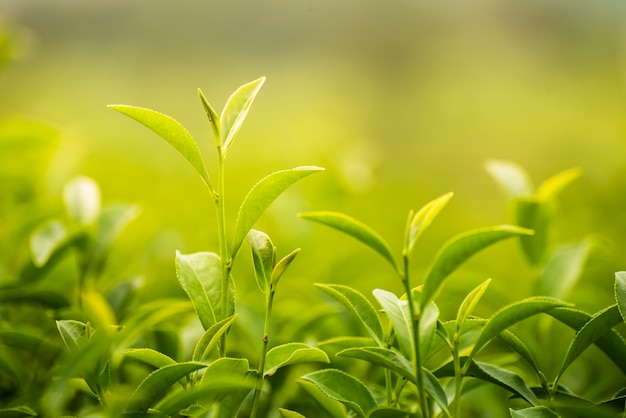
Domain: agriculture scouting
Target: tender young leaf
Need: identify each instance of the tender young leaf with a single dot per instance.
(533, 214)
(236, 110)
(344, 388)
(263, 257)
(620, 292)
(232, 380)
(45, 241)
(458, 250)
(419, 222)
(358, 304)
(281, 267)
(111, 222)
(435, 390)
(552, 186)
(150, 357)
(398, 313)
(73, 333)
(17, 412)
(153, 387)
(171, 131)
(200, 276)
(534, 412)
(332, 407)
(355, 229)
(512, 314)
(81, 196)
(505, 378)
(292, 353)
(515, 344)
(262, 194)
(286, 413)
(384, 357)
(511, 177)
(599, 325)
(563, 269)
(213, 117)
(427, 326)
(469, 303)
(210, 338)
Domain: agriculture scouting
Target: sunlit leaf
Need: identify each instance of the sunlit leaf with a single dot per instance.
(153, 387)
(45, 241)
(534, 412)
(458, 250)
(171, 131)
(563, 269)
(286, 413)
(356, 303)
(595, 328)
(236, 110)
(511, 177)
(73, 333)
(98, 310)
(469, 303)
(200, 275)
(111, 222)
(281, 267)
(355, 229)
(620, 292)
(515, 344)
(344, 388)
(536, 215)
(292, 353)
(505, 378)
(233, 381)
(435, 390)
(214, 119)
(384, 357)
(209, 339)
(149, 356)
(385, 412)
(421, 220)
(332, 407)
(427, 325)
(552, 186)
(398, 313)
(81, 196)
(512, 314)
(262, 194)
(263, 257)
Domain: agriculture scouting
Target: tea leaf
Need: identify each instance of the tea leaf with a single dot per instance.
(435, 390)
(385, 412)
(210, 338)
(286, 413)
(419, 222)
(171, 131)
(292, 353)
(552, 186)
(232, 381)
(111, 222)
(281, 267)
(17, 412)
(236, 110)
(263, 257)
(620, 292)
(398, 313)
(533, 214)
(595, 328)
(458, 250)
(469, 303)
(81, 196)
(344, 388)
(149, 315)
(355, 229)
(384, 357)
(45, 241)
(505, 378)
(200, 276)
(356, 303)
(515, 344)
(511, 177)
(214, 119)
(29, 342)
(513, 314)
(534, 412)
(73, 333)
(262, 194)
(427, 326)
(149, 356)
(563, 269)
(331, 406)
(153, 387)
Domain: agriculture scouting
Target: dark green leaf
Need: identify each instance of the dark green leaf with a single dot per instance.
(292, 353)
(344, 388)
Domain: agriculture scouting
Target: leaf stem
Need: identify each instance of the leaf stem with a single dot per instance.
(223, 244)
(458, 377)
(269, 301)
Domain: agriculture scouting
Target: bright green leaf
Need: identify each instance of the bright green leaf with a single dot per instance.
(597, 326)
(332, 407)
(262, 194)
(552, 186)
(458, 250)
(292, 353)
(171, 131)
(111, 222)
(236, 110)
(286, 413)
(532, 214)
(153, 387)
(344, 388)
(427, 325)
(263, 257)
(45, 241)
(214, 119)
(281, 267)
(356, 303)
(233, 381)
(534, 412)
(505, 378)
(210, 338)
(355, 229)
(17, 412)
(512, 314)
(560, 274)
(620, 292)
(511, 177)
(73, 333)
(81, 196)
(469, 303)
(384, 357)
(419, 222)
(435, 390)
(385, 412)
(150, 357)
(398, 313)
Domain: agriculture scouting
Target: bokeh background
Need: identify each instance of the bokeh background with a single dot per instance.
(401, 101)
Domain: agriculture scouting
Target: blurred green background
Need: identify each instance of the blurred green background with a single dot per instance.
(401, 101)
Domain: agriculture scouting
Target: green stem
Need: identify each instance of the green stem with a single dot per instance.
(266, 337)
(223, 244)
(458, 378)
(417, 363)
